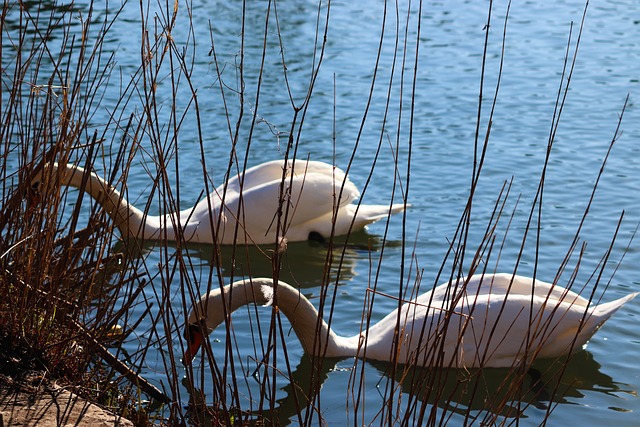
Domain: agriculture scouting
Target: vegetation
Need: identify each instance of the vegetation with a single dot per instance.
(73, 293)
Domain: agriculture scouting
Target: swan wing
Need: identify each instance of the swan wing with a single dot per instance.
(252, 177)
(534, 328)
(486, 331)
(229, 192)
(498, 330)
(307, 196)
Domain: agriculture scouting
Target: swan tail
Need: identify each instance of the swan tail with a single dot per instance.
(371, 213)
(600, 314)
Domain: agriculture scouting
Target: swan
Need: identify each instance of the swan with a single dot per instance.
(490, 320)
(311, 195)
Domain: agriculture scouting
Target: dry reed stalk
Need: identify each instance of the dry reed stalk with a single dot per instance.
(66, 276)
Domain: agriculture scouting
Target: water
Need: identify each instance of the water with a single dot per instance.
(602, 382)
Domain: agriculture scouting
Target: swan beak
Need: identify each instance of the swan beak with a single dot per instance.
(193, 335)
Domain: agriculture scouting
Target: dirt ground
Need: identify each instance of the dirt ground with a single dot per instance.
(33, 404)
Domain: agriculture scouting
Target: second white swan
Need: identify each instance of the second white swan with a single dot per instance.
(492, 320)
(246, 207)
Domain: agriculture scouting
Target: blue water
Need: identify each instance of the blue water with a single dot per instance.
(603, 380)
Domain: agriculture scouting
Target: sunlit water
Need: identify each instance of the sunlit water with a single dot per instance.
(603, 381)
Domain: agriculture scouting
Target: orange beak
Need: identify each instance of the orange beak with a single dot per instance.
(194, 337)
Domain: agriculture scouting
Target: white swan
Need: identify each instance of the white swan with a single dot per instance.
(311, 198)
(494, 320)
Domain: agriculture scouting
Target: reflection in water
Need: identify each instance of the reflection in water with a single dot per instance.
(296, 407)
(42, 15)
(582, 374)
(302, 264)
(486, 396)
(302, 392)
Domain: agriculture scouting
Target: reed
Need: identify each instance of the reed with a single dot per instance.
(99, 313)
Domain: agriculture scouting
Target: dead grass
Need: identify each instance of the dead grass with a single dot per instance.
(67, 278)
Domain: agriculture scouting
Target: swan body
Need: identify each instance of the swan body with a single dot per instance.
(245, 208)
(491, 320)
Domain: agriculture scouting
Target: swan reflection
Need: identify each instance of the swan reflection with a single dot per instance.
(484, 395)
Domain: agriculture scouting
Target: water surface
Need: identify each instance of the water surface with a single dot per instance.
(602, 381)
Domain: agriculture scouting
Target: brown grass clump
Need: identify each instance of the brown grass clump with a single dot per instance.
(73, 293)
(61, 284)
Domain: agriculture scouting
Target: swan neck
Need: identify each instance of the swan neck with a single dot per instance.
(313, 332)
(127, 218)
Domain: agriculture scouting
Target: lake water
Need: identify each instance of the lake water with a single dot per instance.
(602, 382)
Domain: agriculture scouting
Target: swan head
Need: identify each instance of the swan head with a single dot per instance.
(214, 307)
(205, 316)
(39, 177)
(194, 337)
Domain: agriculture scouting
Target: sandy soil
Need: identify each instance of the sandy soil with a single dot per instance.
(33, 404)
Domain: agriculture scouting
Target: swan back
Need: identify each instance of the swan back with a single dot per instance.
(274, 171)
